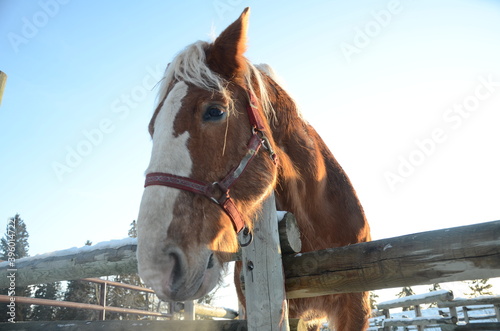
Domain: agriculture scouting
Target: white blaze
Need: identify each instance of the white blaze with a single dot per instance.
(170, 154)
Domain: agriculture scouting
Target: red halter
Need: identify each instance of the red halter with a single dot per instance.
(209, 190)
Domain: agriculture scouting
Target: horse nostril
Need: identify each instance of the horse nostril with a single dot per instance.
(210, 264)
(177, 267)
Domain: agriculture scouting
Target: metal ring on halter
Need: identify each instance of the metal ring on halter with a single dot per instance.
(245, 233)
(214, 199)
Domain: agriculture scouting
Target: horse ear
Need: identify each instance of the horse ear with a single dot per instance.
(225, 55)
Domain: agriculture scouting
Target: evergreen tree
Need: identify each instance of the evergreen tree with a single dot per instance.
(373, 300)
(126, 298)
(405, 292)
(82, 292)
(49, 291)
(13, 246)
(479, 287)
(132, 232)
(16, 235)
(435, 287)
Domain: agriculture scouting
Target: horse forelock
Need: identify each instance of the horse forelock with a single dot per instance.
(191, 67)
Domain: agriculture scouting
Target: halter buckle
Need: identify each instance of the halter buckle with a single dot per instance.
(216, 186)
(266, 144)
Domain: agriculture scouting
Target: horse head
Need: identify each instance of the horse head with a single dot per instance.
(208, 173)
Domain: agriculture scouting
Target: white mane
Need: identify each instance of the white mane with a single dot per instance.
(190, 66)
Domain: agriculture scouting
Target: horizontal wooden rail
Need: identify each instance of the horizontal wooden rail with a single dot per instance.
(115, 257)
(68, 304)
(460, 302)
(422, 321)
(455, 254)
(417, 299)
(118, 284)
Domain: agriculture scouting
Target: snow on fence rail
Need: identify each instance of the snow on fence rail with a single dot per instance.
(108, 258)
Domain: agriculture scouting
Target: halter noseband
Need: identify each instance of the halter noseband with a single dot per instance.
(209, 190)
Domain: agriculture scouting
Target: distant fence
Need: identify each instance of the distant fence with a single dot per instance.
(190, 308)
(437, 318)
(101, 307)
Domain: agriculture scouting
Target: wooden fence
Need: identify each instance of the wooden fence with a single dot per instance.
(445, 316)
(190, 308)
(101, 307)
(455, 254)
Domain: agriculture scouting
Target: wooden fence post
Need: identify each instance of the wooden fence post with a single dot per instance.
(102, 300)
(266, 305)
(465, 311)
(189, 310)
(418, 313)
(387, 315)
(497, 311)
(3, 81)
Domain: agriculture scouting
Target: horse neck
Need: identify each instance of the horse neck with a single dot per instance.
(312, 184)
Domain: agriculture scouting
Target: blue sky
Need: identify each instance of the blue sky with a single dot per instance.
(405, 93)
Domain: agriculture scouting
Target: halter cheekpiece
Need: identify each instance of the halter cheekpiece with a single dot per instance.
(218, 192)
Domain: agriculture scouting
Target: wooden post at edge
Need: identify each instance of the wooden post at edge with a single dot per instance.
(3, 81)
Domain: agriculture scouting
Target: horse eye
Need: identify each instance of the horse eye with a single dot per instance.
(214, 113)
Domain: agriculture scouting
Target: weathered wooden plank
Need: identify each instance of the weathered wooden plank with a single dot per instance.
(427, 320)
(289, 234)
(263, 274)
(114, 257)
(219, 312)
(455, 254)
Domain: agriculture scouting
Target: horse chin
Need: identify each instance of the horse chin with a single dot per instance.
(193, 287)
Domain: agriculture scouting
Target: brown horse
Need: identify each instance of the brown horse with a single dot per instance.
(225, 135)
